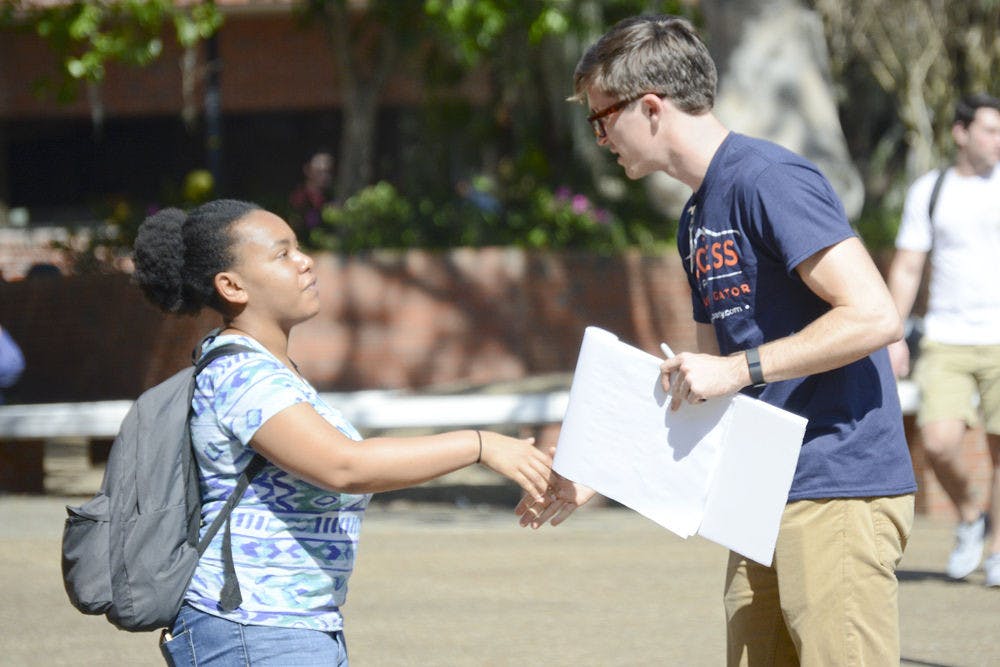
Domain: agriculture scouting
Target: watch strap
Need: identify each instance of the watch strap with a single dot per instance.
(756, 372)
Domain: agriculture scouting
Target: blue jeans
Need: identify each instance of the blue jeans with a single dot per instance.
(203, 639)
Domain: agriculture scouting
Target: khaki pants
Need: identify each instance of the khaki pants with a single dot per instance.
(830, 597)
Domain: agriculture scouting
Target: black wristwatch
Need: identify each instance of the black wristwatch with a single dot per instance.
(753, 363)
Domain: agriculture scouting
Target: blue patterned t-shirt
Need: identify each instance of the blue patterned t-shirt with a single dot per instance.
(293, 543)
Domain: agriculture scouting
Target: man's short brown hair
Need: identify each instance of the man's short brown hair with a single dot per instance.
(965, 110)
(650, 54)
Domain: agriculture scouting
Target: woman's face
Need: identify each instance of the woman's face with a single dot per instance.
(276, 277)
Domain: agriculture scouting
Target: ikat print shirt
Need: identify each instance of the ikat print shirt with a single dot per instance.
(293, 543)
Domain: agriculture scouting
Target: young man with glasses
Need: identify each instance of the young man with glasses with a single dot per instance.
(790, 309)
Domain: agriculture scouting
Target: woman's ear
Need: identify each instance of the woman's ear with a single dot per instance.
(229, 285)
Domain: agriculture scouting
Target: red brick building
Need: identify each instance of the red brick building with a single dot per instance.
(279, 98)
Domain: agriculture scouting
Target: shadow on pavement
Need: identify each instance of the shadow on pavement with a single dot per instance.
(928, 575)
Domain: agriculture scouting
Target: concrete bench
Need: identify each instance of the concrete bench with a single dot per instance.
(367, 410)
(22, 426)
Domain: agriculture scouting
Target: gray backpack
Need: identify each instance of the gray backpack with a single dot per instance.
(129, 552)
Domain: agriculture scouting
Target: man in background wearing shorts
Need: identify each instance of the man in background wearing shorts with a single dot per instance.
(960, 352)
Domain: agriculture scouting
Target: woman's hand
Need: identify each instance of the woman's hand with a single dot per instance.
(519, 460)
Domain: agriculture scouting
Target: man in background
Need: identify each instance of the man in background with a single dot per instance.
(952, 216)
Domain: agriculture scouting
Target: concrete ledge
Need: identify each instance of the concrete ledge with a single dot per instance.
(367, 410)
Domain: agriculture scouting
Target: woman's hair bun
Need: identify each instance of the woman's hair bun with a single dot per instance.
(159, 260)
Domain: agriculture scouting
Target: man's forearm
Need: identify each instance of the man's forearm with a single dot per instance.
(840, 337)
(903, 280)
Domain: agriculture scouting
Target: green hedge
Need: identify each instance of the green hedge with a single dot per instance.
(380, 217)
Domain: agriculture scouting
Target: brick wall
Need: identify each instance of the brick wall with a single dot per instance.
(387, 320)
(422, 318)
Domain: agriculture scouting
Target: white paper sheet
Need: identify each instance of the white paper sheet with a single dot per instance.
(720, 468)
(750, 487)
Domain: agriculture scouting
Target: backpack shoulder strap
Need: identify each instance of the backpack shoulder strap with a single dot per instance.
(221, 351)
(255, 466)
(935, 193)
(230, 597)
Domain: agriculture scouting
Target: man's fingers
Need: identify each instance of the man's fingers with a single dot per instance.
(563, 514)
(546, 514)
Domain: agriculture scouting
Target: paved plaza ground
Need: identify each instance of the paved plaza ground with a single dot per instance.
(458, 583)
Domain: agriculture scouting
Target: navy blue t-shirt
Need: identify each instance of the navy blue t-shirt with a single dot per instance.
(760, 211)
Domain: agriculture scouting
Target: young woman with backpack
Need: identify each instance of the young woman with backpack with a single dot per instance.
(295, 532)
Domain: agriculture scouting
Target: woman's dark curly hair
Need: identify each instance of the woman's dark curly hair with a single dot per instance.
(177, 254)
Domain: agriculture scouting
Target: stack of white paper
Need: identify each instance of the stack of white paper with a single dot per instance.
(721, 469)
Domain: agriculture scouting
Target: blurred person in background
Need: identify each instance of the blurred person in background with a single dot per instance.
(11, 362)
(312, 194)
(951, 224)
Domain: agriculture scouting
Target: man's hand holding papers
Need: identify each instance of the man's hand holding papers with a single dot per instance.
(694, 377)
(720, 468)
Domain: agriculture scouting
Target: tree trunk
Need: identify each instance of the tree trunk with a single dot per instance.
(775, 83)
(362, 77)
(356, 163)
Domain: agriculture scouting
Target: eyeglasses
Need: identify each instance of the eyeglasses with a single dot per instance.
(595, 119)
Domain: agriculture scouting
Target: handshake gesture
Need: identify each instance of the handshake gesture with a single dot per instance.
(560, 500)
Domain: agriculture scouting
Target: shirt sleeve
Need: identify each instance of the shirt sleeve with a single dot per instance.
(795, 213)
(252, 392)
(915, 226)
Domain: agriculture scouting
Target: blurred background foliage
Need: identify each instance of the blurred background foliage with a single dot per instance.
(521, 166)
(898, 67)
(525, 140)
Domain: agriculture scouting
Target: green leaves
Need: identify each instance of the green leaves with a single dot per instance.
(380, 217)
(85, 36)
(200, 22)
